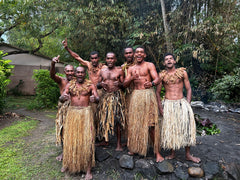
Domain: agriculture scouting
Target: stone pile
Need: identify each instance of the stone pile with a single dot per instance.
(120, 165)
(216, 107)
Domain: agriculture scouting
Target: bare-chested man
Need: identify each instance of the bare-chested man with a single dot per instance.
(111, 105)
(62, 107)
(79, 136)
(129, 61)
(93, 68)
(178, 124)
(143, 109)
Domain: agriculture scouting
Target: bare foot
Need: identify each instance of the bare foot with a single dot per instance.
(159, 158)
(60, 157)
(63, 169)
(119, 147)
(130, 153)
(88, 176)
(193, 159)
(103, 143)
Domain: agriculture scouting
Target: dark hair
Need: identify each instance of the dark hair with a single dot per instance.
(127, 48)
(111, 53)
(142, 48)
(94, 52)
(168, 54)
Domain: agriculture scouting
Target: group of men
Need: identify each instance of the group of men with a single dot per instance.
(122, 100)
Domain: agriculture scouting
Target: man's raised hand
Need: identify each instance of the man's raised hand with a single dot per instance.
(64, 42)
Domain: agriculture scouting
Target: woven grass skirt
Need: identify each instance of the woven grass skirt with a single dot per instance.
(178, 127)
(79, 139)
(142, 114)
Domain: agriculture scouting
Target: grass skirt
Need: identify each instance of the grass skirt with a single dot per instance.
(178, 127)
(111, 111)
(60, 120)
(96, 110)
(143, 113)
(79, 139)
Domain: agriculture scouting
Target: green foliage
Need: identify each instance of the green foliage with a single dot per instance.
(5, 72)
(205, 30)
(205, 126)
(47, 91)
(228, 87)
(208, 130)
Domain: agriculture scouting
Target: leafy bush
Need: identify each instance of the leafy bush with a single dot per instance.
(47, 91)
(205, 126)
(228, 87)
(5, 72)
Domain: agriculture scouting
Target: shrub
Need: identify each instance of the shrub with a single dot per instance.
(47, 91)
(5, 72)
(228, 87)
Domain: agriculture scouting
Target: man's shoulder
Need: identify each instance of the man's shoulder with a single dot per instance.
(150, 64)
(180, 72)
(63, 80)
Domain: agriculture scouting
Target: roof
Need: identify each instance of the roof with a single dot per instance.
(26, 58)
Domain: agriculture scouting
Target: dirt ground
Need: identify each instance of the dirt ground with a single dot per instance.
(224, 147)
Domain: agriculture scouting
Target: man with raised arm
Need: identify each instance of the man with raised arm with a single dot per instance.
(178, 127)
(62, 107)
(112, 103)
(143, 109)
(79, 135)
(93, 68)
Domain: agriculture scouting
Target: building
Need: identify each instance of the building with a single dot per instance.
(24, 65)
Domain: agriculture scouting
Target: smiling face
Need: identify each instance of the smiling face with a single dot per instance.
(128, 54)
(111, 59)
(69, 71)
(169, 61)
(80, 74)
(94, 59)
(139, 55)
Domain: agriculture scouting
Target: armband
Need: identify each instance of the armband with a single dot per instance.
(153, 84)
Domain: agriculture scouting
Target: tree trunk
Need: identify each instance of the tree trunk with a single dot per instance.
(168, 43)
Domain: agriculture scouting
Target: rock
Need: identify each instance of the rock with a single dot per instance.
(211, 169)
(237, 110)
(208, 106)
(113, 164)
(145, 169)
(218, 104)
(142, 163)
(101, 155)
(195, 172)
(197, 104)
(126, 176)
(233, 170)
(223, 108)
(164, 167)
(181, 172)
(126, 161)
(207, 109)
(216, 109)
(118, 155)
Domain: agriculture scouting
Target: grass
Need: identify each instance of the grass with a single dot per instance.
(16, 102)
(11, 148)
(21, 156)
